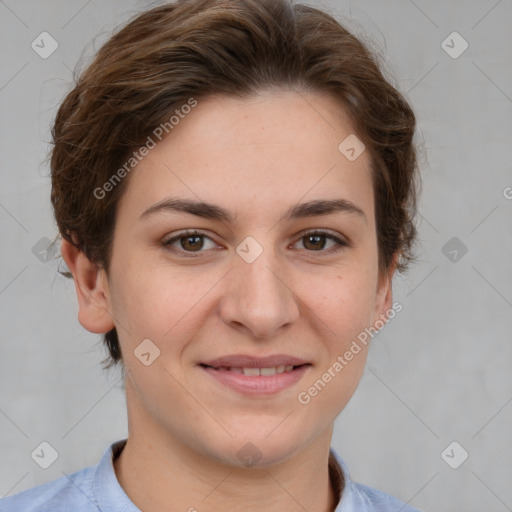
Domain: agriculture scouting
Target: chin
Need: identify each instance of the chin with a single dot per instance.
(257, 450)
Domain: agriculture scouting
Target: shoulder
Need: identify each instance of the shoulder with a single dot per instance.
(374, 500)
(91, 489)
(70, 492)
(356, 497)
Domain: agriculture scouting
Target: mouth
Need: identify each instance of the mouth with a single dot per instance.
(255, 371)
(256, 376)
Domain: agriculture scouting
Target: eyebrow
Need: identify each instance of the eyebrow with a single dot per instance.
(215, 212)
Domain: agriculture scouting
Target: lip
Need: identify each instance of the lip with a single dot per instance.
(246, 361)
(262, 385)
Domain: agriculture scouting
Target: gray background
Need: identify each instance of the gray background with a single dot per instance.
(439, 372)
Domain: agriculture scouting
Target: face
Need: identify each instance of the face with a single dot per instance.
(262, 275)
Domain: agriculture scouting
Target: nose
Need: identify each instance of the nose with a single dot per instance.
(258, 299)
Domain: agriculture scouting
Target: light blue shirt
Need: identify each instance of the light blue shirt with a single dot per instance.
(96, 488)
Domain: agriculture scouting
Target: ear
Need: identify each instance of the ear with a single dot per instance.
(384, 299)
(91, 289)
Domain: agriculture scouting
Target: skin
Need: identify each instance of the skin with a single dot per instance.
(255, 157)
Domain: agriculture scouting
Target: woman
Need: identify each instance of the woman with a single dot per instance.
(234, 183)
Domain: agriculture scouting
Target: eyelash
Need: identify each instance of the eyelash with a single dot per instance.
(340, 244)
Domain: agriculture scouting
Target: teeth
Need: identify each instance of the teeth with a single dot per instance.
(264, 371)
(252, 372)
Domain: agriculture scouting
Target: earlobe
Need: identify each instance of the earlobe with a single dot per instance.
(91, 288)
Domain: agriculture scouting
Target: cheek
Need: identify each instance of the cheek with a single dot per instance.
(344, 303)
(344, 306)
(161, 305)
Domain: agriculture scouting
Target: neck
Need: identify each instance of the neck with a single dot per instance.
(158, 472)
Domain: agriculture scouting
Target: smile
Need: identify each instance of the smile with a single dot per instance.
(257, 381)
(257, 371)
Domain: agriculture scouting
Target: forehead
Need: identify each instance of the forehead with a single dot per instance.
(255, 155)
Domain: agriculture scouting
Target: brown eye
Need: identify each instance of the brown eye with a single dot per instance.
(189, 242)
(314, 241)
(192, 243)
(317, 241)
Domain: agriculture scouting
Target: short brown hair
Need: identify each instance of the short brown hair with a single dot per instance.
(196, 48)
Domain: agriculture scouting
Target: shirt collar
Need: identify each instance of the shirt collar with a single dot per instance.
(108, 490)
(343, 486)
